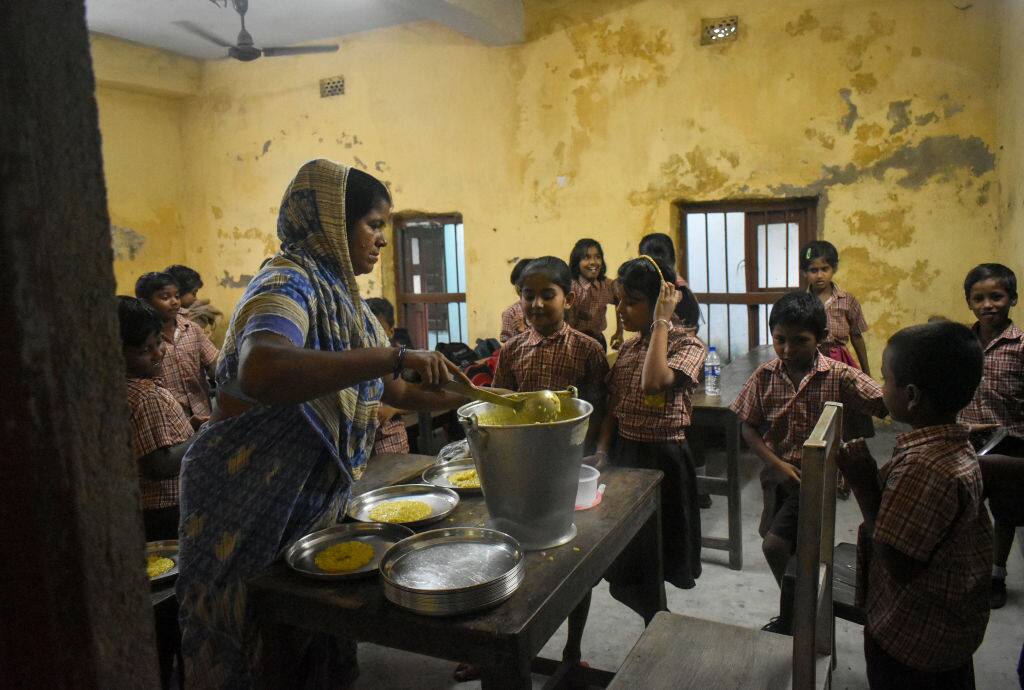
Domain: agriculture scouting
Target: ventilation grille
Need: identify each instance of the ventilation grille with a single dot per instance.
(718, 30)
(332, 86)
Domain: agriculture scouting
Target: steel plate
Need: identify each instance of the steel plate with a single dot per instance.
(442, 502)
(165, 549)
(302, 554)
(440, 475)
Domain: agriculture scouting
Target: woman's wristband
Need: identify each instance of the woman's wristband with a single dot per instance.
(668, 324)
(399, 362)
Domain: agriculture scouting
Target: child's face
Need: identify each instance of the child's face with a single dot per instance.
(188, 299)
(166, 302)
(141, 361)
(795, 345)
(635, 311)
(990, 302)
(591, 263)
(543, 302)
(389, 330)
(819, 275)
(896, 397)
(208, 330)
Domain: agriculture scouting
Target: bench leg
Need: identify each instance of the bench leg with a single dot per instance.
(732, 473)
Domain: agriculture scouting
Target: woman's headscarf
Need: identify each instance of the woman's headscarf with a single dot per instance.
(314, 242)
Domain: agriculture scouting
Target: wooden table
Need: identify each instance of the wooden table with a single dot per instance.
(713, 410)
(502, 641)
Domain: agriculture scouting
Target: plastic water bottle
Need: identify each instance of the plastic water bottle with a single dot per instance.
(712, 373)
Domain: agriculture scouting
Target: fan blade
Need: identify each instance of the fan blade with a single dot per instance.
(298, 50)
(203, 33)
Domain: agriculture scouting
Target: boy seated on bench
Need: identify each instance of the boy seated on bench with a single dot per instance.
(925, 547)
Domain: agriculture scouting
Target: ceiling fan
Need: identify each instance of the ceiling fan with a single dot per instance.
(244, 49)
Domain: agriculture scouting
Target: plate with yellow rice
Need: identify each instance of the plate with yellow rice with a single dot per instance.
(162, 560)
(411, 505)
(460, 476)
(343, 552)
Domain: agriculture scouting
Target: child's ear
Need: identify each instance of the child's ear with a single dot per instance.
(914, 398)
(569, 299)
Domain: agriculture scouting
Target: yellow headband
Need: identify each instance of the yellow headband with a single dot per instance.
(655, 264)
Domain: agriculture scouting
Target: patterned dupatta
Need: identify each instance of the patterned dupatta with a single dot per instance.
(314, 243)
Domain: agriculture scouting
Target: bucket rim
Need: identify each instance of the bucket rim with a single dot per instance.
(464, 414)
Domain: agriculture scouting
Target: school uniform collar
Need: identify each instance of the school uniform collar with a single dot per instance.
(140, 382)
(820, 363)
(955, 433)
(536, 338)
(836, 293)
(1011, 332)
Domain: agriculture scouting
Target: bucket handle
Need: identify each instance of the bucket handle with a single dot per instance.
(472, 425)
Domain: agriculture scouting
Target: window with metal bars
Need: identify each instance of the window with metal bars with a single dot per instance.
(430, 266)
(739, 257)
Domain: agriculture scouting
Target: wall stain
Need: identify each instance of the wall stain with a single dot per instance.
(864, 82)
(269, 239)
(827, 141)
(851, 116)
(804, 23)
(692, 175)
(229, 281)
(126, 242)
(217, 212)
(888, 228)
(983, 193)
(858, 47)
(868, 131)
(931, 157)
(266, 145)
(920, 277)
(927, 118)
(950, 107)
(832, 34)
(899, 116)
(915, 51)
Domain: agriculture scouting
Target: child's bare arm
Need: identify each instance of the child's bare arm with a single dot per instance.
(861, 471)
(783, 470)
(656, 375)
(857, 340)
(604, 442)
(164, 463)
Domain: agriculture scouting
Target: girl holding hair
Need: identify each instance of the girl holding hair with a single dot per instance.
(649, 408)
(593, 292)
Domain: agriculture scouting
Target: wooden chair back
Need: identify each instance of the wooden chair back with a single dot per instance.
(813, 621)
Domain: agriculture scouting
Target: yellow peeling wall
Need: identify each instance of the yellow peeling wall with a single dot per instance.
(1011, 135)
(609, 113)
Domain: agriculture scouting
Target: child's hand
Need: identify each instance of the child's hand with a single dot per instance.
(197, 421)
(598, 460)
(667, 301)
(979, 428)
(785, 473)
(856, 463)
(616, 342)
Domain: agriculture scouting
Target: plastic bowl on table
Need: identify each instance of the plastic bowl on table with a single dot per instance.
(586, 494)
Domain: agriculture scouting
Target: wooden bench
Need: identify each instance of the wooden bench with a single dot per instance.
(677, 652)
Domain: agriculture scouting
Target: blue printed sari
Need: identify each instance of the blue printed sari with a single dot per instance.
(254, 483)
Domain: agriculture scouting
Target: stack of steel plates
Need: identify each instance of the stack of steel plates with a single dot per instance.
(446, 572)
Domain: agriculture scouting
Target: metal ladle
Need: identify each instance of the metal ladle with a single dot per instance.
(539, 406)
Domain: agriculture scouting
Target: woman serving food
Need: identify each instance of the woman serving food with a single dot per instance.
(304, 366)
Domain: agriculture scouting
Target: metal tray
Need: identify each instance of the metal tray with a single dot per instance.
(440, 475)
(166, 549)
(447, 572)
(442, 502)
(381, 536)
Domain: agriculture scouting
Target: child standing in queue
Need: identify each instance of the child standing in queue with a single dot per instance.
(649, 393)
(925, 547)
(513, 322)
(593, 291)
(391, 436)
(189, 355)
(991, 291)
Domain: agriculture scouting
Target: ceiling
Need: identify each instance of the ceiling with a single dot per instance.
(271, 22)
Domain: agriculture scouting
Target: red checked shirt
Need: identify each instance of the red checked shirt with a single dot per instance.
(187, 358)
(931, 512)
(662, 417)
(1000, 395)
(157, 421)
(391, 437)
(589, 311)
(845, 318)
(533, 362)
(785, 416)
(513, 322)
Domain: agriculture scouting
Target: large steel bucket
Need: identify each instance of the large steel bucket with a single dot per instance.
(529, 473)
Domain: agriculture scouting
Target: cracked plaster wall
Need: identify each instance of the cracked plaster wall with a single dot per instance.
(609, 113)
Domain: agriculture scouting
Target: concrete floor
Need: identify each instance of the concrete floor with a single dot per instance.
(748, 598)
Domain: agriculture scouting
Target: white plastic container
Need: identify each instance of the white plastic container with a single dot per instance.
(587, 492)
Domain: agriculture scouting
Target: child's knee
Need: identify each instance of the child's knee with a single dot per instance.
(775, 547)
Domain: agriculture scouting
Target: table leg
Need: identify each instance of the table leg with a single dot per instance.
(732, 473)
(577, 621)
(652, 586)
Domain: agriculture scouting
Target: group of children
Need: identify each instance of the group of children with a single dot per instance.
(925, 548)
(169, 360)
